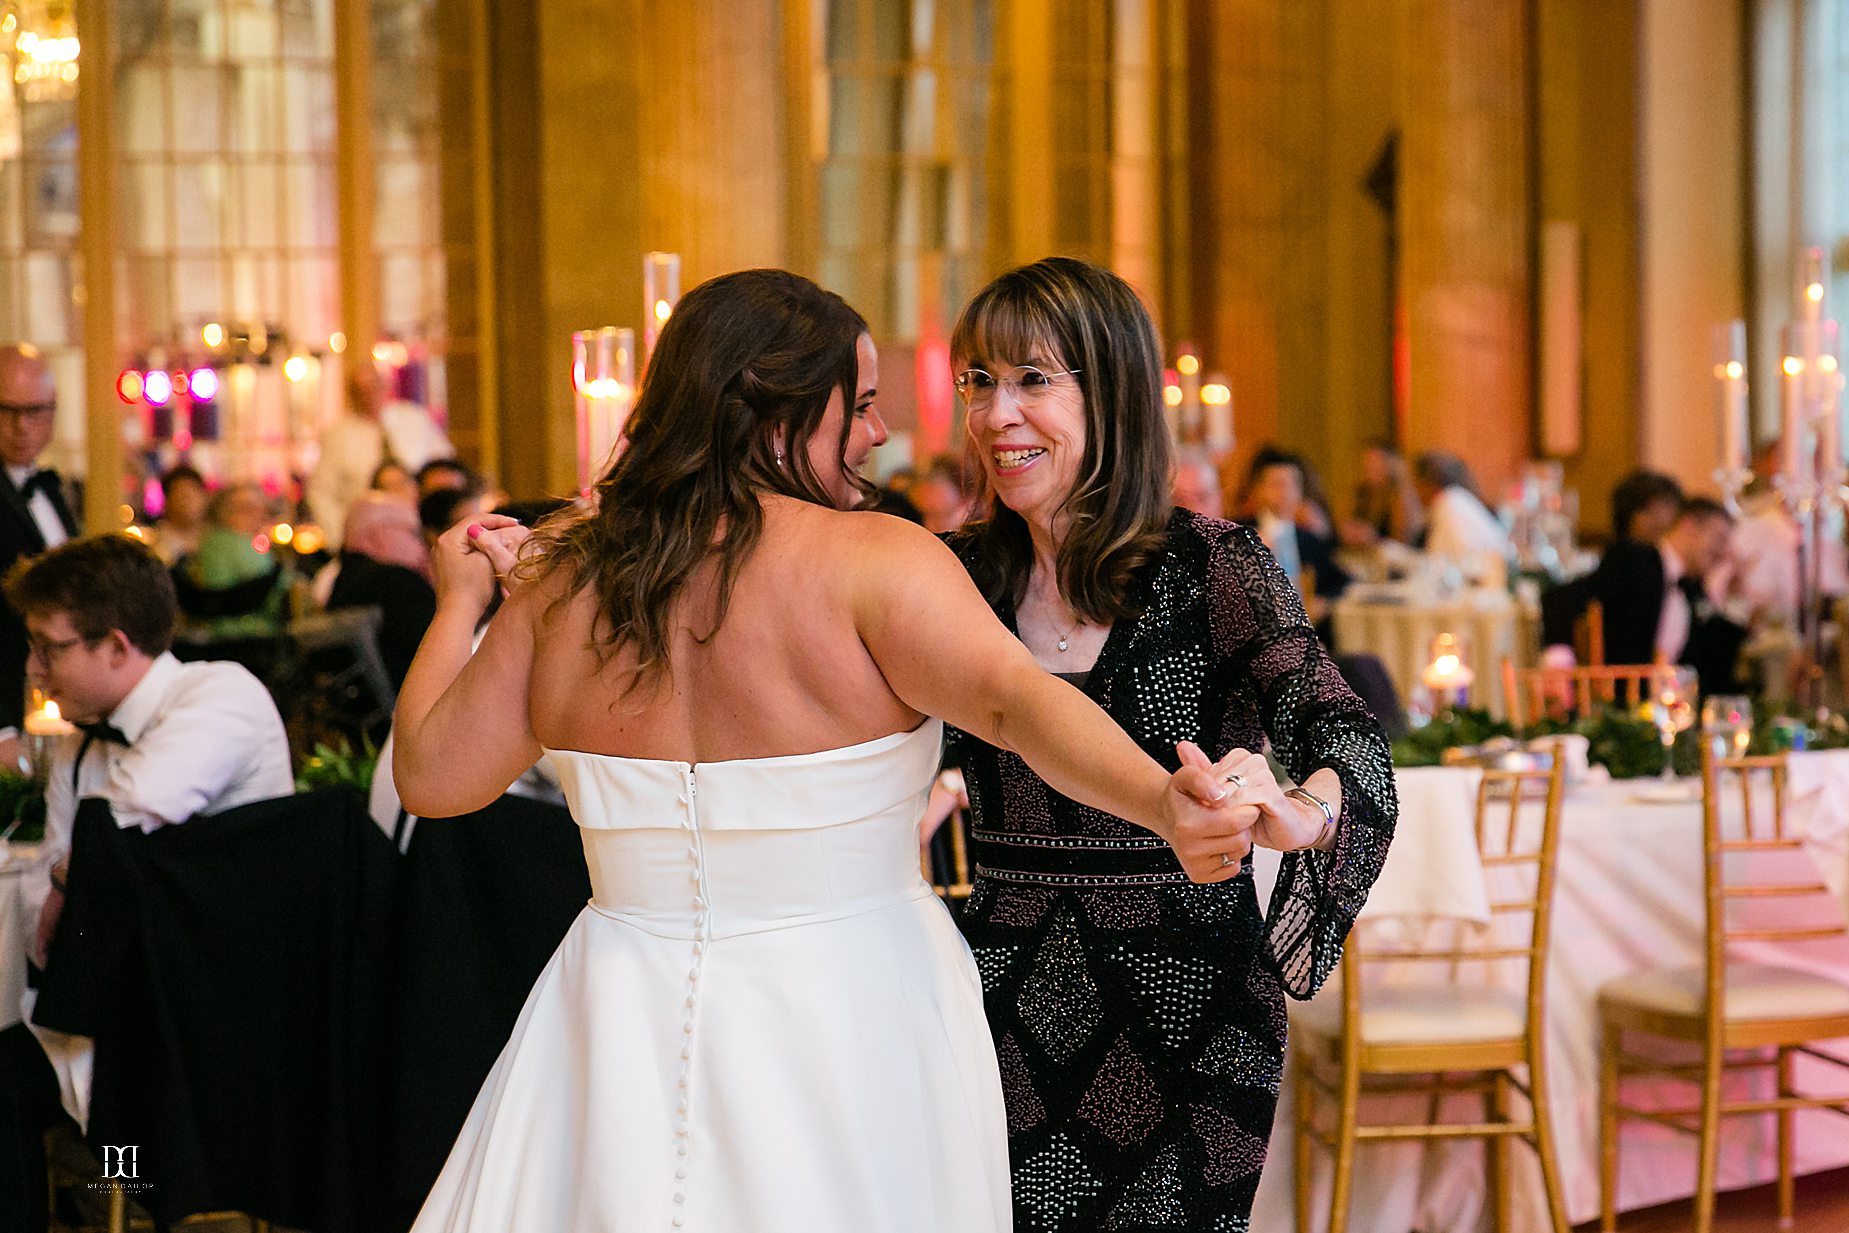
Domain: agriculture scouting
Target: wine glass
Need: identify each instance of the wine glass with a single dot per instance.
(1673, 709)
(1727, 722)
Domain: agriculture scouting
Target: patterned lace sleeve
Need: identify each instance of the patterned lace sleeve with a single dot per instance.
(1314, 720)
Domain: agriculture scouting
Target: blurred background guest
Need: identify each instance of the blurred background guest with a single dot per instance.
(385, 563)
(233, 590)
(1656, 602)
(443, 508)
(1275, 495)
(393, 479)
(1644, 507)
(1458, 525)
(33, 513)
(1387, 505)
(371, 430)
(183, 513)
(446, 475)
(941, 493)
(1196, 484)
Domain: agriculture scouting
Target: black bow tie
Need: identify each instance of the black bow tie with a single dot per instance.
(102, 730)
(45, 481)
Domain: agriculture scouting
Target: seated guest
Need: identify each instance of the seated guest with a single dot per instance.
(1458, 525)
(539, 782)
(163, 742)
(941, 494)
(445, 507)
(233, 585)
(183, 513)
(1387, 505)
(1763, 575)
(892, 499)
(1313, 513)
(1195, 485)
(394, 479)
(1644, 506)
(385, 563)
(446, 473)
(1657, 608)
(1274, 493)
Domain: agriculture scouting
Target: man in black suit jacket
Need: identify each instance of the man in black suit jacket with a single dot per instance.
(33, 513)
(1655, 604)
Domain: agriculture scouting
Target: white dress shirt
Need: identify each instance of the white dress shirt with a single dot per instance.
(538, 782)
(43, 512)
(1461, 527)
(203, 738)
(1280, 535)
(1675, 620)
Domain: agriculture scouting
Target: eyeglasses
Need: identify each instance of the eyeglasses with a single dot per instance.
(28, 410)
(47, 650)
(1028, 384)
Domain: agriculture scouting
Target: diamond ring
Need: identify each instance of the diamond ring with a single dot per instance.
(1226, 862)
(1236, 779)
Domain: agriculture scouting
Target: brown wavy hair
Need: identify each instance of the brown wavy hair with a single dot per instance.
(1119, 507)
(746, 359)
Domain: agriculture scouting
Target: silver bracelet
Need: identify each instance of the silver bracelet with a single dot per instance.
(1309, 797)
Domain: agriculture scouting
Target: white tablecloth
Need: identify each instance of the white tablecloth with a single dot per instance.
(1491, 623)
(1628, 898)
(18, 923)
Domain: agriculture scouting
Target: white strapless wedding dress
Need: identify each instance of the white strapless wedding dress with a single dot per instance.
(763, 1021)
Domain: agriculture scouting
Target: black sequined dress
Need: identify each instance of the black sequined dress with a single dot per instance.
(1139, 1017)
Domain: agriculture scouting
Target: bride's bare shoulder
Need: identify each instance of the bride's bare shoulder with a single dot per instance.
(847, 535)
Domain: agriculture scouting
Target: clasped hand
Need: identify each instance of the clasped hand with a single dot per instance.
(472, 557)
(1216, 812)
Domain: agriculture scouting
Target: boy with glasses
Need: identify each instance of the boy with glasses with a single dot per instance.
(160, 740)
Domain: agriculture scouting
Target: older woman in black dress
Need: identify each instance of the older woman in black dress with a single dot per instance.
(1139, 1013)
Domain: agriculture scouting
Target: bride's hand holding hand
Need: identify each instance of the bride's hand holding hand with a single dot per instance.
(1208, 829)
(500, 541)
(462, 574)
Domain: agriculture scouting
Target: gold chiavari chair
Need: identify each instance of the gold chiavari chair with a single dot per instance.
(1589, 635)
(1436, 1040)
(1538, 692)
(1736, 1012)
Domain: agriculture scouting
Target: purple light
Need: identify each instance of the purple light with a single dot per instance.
(159, 388)
(204, 384)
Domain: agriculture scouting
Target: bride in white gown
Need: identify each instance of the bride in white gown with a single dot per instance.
(763, 1020)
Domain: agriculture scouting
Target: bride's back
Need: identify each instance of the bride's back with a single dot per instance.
(785, 673)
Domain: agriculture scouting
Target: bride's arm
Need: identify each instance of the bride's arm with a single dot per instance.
(461, 731)
(944, 653)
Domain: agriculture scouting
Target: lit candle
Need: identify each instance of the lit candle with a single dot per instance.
(1794, 416)
(48, 721)
(1217, 398)
(1448, 676)
(603, 376)
(1730, 372)
(661, 291)
(1188, 368)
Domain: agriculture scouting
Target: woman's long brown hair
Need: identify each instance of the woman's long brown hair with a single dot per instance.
(1119, 506)
(747, 361)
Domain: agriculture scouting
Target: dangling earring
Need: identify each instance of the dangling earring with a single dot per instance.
(779, 455)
